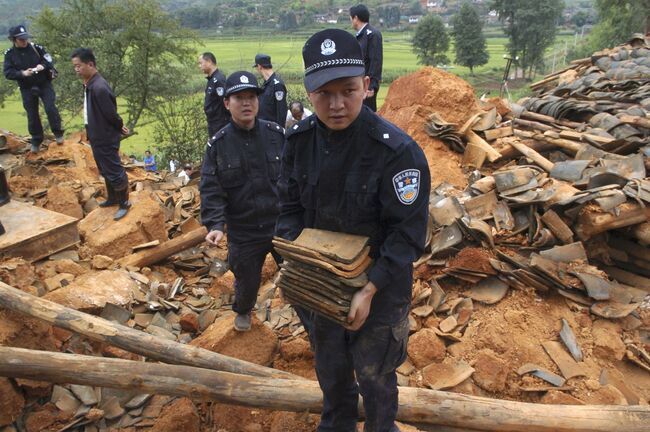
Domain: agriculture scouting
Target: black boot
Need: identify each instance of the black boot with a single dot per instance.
(4, 188)
(122, 195)
(111, 200)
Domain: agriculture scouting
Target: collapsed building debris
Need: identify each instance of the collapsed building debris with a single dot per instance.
(534, 287)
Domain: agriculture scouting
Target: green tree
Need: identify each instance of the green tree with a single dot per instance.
(141, 51)
(470, 46)
(618, 20)
(7, 88)
(431, 41)
(530, 26)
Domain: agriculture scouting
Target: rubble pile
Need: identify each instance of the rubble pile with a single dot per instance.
(534, 286)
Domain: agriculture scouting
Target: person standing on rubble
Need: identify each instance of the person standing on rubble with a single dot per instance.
(104, 128)
(239, 190)
(32, 67)
(348, 170)
(273, 99)
(370, 40)
(215, 111)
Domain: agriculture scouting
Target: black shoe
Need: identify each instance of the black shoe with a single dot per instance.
(122, 196)
(122, 211)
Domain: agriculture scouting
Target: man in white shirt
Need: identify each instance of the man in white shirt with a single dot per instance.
(186, 174)
(295, 113)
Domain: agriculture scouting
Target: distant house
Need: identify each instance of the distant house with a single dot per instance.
(414, 19)
(332, 21)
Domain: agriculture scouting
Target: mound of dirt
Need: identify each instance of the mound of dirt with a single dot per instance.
(413, 98)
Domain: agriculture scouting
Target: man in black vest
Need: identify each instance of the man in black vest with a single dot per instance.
(372, 50)
(239, 190)
(32, 67)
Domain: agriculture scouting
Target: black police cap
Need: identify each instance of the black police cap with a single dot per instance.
(263, 60)
(331, 54)
(240, 81)
(19, 32)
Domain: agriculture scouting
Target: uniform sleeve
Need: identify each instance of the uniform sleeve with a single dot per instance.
(45, 58)
(291, 221)
(108, 106)
(406, 223)
(9, 69)
(376, 58)
(213, 197)
(213, 98)
(281, 105)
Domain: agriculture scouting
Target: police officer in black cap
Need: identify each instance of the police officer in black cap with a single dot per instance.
(239, 190)
(371, 48)
(273, 100)
(346, 169)
(215, 111)
(32, 67)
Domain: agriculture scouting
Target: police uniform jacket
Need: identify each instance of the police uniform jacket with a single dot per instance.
(19, 59)
(273, 100)
(370, 179)
(372, 50)
(215, 111)
(239, 181)
(104, 123)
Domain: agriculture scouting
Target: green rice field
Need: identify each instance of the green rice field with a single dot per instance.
(238, 52)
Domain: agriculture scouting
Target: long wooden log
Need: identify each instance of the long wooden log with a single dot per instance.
(548, 119)
(415, 405)
(124, 337)
(642, 122)
(151, 256)
(491, 153)
(531, 154)
(565, 144)
(591, 223)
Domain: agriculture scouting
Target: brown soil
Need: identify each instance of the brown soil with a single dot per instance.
(179, 415)
(62, 198)
(475, 259)
(296, 357)
(413, 98)
(11, 402)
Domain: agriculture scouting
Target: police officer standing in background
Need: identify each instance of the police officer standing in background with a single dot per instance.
(215, 111)
(273, 100)
(104, 128)
(32, 67)
(348, 170)
(372, 50)
(239, 190)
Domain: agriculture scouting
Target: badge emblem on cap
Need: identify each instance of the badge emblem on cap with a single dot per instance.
(328, 47)
(243, 79)
(22, 29)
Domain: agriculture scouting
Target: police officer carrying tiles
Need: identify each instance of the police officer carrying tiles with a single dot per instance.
(215, 111)
(372, 49)
(239, 190)
(32, 67)
(346, 169)
(273, 99)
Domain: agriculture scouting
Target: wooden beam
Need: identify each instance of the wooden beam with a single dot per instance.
(415, 405)
(170, 247)
(491, 153)
(591, 223)
(124, 337)
(531, 154)
(502, 132)
(641, 122)
(565, 144)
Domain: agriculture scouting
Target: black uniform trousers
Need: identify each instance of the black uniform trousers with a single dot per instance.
(374, 352)
(246, 260)
(30, 103)
(371, 102)
(107, 158)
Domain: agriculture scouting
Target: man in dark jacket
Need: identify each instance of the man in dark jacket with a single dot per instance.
(104, 128)
(346, 169)
(372, 50)
(32, 67)
(273, 100)
(239, 190)
(216, 112)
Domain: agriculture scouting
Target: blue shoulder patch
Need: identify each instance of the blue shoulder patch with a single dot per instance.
(388, 134)
(302, 126)
(273, 126)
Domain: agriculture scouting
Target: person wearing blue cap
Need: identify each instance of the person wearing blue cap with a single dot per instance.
(239, 190)
(273, 97)
(346, 169)
(33, 68)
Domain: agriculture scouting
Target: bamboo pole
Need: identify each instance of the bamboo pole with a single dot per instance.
(415, 405)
